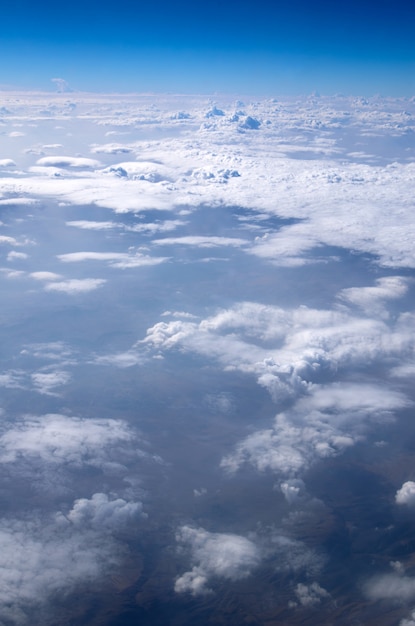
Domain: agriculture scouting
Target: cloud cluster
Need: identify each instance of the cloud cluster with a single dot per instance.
(59, 439)
(291, 353)
(219, 161)
(45, 551)
(214, 555)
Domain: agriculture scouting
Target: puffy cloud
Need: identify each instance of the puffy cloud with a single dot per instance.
(371, 299)
(102, 512)
(39, 558)
(406, 494)
(20, 256)
(392, 587)
(317, 181)
(59, 439)
(328, 420)
(286, 350)
(214, 555)
(310, 595)
(293, 490)
(54, 554)
(299, 342)
(140, 170)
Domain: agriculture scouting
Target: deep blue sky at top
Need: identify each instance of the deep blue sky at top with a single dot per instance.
(246, 46)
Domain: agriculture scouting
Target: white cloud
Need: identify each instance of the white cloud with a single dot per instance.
(68, 161)
(91, 225)
(315, 178)
(322, 424)
(75, 285)
(47, 382)
(201, 242)
(13, 379)
(115, 259)
(20, 256)
(100, 511)
(8, 240)
(371, 299)
(214, 555)
(46, 276)
(112, 148)
(293, 490)
(310, 595)
(392, 587)
(39, 558)
(406, 494)
(58, 439)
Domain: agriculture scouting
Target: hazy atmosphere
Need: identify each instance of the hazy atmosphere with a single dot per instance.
(207, 317)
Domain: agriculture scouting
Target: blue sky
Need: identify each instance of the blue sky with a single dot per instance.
(249, 47)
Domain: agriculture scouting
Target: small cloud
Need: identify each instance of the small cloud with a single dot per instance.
(406, 494)
(76, 285)
(102, 512)
(310, 595)
(13, 256)
(46, 382)
(213, 555)
(393, 587)
(61, 85)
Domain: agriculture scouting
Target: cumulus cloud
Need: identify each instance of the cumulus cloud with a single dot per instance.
(100, 511)
(300, 342)
(392, 587)
(47, 553)
(371, 299)
(406, 494)
(59, 439)
(310, 595)
(330, 419)
(293, 490)
(39, 558)
(214, 555)
(286, 350)
(19, 256)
